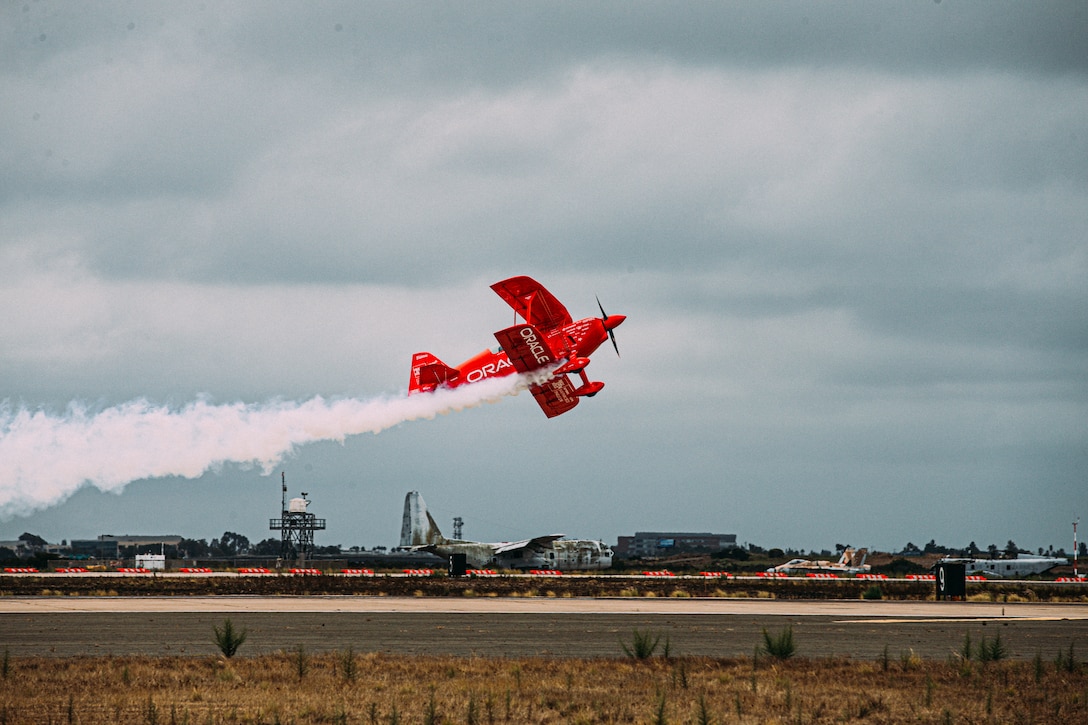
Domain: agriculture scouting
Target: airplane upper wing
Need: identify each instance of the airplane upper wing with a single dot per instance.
(537, 542)
(536, 305)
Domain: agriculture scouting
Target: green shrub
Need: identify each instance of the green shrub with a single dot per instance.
(228, 639)
(348, 667)
(702, 713)
(659, 715)
(470, 717)
(1066, 662)
(965, 649)
(430, 717)
(643, 645)
(780, 646)
(302, 662)
(992, 650)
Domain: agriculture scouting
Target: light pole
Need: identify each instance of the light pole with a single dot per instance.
(1075, 573)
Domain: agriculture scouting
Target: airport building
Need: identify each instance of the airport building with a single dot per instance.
(666, 543)
(108, 546)
(17, 547)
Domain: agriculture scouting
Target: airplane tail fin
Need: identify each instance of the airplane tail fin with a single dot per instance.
(417, 528)
(428, 372)
(854, 557)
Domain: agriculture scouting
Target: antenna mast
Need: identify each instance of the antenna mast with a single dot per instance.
(297, 526)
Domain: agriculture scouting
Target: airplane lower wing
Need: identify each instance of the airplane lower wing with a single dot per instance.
(555, 397)
(528, 351)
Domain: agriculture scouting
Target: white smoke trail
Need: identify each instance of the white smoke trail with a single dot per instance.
(44, 458)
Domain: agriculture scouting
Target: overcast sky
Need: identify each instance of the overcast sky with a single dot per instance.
(851, 240)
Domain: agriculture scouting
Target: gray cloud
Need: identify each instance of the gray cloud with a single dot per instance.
(849, 239)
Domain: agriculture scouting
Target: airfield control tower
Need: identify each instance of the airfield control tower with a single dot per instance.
(296, 525)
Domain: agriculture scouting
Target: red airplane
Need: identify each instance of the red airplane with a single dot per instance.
(548, 338)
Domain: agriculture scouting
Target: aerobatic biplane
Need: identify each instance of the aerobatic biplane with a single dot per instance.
(548, 340)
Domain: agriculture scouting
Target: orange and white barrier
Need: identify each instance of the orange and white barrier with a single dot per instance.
(72, 570)
(872, 576)
(195, 570)
(358, 572)
(482, 572)
(419, 572)
(716, 574)
(307, 572)
(20, 570)
(663, 572)
(772, 574)
(922, 577)
(254, 570)
(134, 570)
(821, 575)
(545, 572)
(1073, 579)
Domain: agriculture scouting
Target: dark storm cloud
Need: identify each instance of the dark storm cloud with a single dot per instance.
(443, 128)
(500, 44)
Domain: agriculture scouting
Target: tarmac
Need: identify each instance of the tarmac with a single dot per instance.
(530, 626)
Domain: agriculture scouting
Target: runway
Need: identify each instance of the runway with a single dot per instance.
(545, 605)
(529, 626)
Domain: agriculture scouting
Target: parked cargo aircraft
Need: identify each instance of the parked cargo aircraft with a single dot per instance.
(419, 532)
(1020, 566)
(852, 561)
(550, 342)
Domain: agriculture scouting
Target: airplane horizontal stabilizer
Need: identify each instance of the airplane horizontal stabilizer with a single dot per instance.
(428, 372)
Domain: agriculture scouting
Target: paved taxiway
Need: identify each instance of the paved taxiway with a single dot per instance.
(565, 627)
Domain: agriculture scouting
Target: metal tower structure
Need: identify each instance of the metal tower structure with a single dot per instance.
(458, 523)
(297, 526)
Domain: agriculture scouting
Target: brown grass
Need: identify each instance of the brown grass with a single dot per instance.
(406, 689)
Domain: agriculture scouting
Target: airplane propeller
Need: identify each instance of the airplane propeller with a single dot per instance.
(610, 323)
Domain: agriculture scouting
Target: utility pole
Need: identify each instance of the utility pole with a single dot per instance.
(1075, 573)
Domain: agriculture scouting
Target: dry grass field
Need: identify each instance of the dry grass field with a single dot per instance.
(346, 687)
